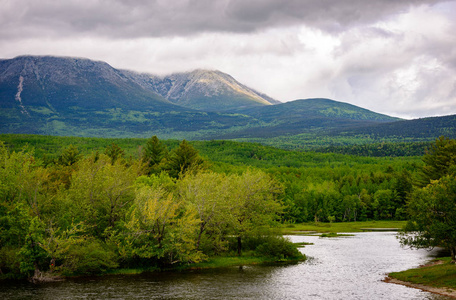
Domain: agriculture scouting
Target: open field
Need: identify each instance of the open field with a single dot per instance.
(338, 227)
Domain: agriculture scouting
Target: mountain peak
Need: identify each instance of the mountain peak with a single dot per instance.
(209, 90)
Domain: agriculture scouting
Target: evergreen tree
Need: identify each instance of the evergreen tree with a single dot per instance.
(432, 208)
(154, 154)
(114, 152)
(69, 156)
(437, 159)
(183, 159)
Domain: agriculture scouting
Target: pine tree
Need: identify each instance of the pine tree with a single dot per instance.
(183, 159)
(155, 153)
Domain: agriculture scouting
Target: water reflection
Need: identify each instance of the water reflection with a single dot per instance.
(339, 268)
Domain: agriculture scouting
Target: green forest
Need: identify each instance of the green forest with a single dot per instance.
(75, 206)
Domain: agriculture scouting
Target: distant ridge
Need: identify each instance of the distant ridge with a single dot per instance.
(305, 115)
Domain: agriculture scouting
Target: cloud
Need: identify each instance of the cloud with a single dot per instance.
(158, 18)
(393, 57)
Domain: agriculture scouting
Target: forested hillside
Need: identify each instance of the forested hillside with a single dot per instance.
(85, 205)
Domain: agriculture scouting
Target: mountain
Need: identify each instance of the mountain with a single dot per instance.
(80, 97)
(203, 90)
(76, 96)
(53, 83)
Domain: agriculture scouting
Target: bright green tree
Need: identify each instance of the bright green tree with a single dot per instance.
(159, 229)
(432, 212)
(253, 204)
(33, 256)
(207, 193)
(101, 193)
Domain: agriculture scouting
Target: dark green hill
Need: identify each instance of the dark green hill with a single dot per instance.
(307, 115)
(424, 128)
(315, 108)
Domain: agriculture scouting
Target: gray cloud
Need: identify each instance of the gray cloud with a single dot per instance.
(139, 18)
(390, 56)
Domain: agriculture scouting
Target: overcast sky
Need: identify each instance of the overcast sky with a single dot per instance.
(396, 57)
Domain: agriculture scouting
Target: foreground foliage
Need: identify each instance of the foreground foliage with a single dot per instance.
(90, 214)
(432, 205)
(131, 203)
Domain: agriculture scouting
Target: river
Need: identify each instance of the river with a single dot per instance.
(338, 268)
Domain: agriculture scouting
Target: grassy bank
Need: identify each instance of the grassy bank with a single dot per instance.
(229, 261)
(339, 227)
(439, 275)
(213, 262)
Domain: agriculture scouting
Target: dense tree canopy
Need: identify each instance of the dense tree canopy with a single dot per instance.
(432, 205)
(130, 203)
(88, 214)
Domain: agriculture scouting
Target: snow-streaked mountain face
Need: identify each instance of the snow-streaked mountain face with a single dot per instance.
(61, 82)
(77, 96)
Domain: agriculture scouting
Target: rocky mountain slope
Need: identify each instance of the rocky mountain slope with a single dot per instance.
(203, 90)
(53, 83)
(76, 96)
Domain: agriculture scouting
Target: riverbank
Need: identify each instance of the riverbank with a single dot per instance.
(211, 263)
(438, 277)
(338, 227)
(331, 267)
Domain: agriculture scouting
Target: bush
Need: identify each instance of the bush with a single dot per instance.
(90, 257)
(9, 262)
(278, 247)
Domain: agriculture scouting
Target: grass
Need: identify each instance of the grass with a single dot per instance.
(339, 227)
(229, 261)
(302, 244)
(333, 234)
(129, 271)
(439, 275)
(213, 262)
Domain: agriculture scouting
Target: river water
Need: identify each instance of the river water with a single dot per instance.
(338, 268)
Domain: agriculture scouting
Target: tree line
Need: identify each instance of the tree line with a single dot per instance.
(157, 204)
(432, 204)
(87, 214)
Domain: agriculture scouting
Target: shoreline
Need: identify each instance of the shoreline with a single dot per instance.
(444, 291)
(435, 290)
(213, 263)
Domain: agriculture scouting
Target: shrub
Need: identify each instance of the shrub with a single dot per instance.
(278, 247)
(90, 257)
